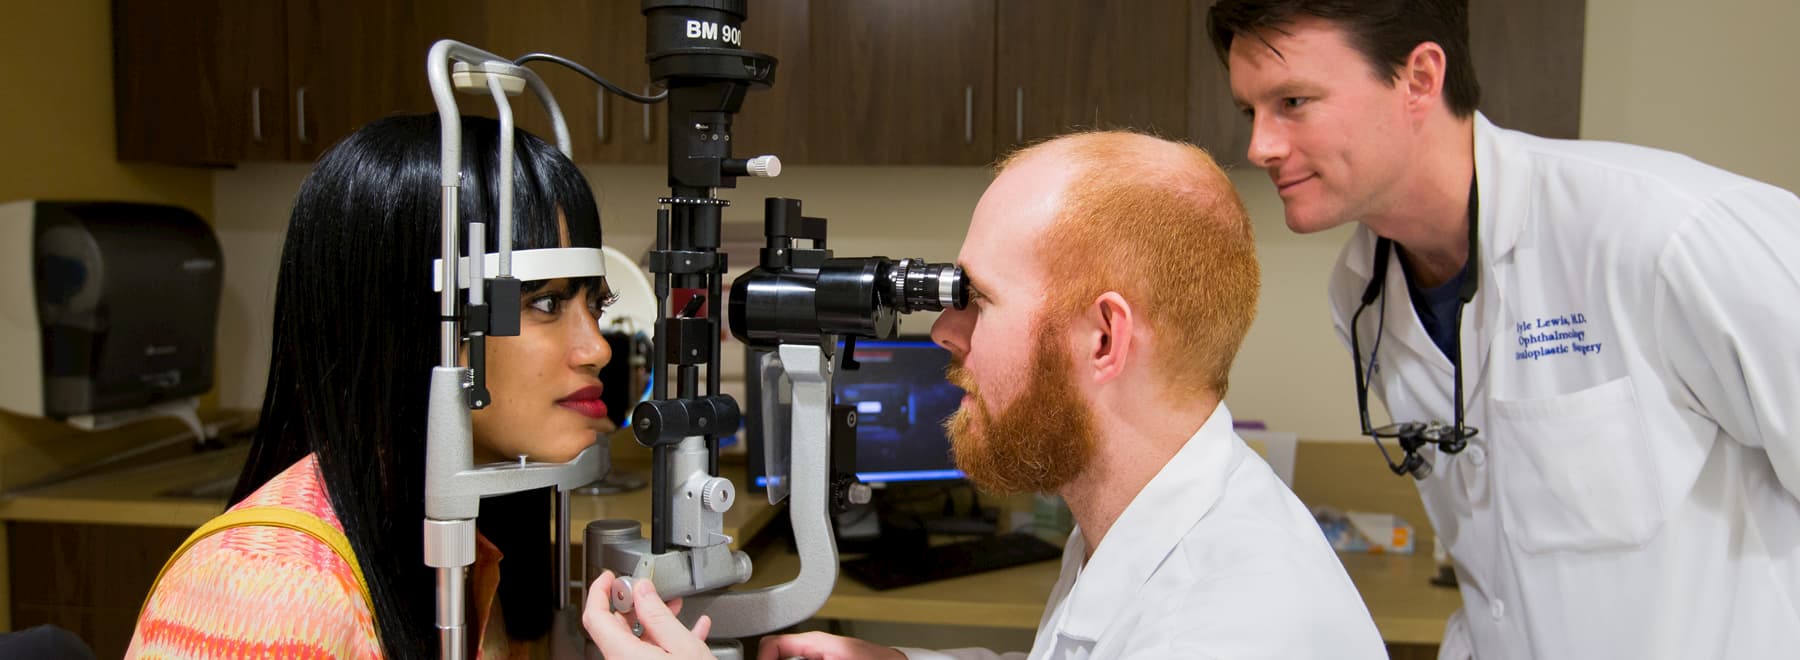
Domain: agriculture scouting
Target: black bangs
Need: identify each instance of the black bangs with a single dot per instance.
(544, 182)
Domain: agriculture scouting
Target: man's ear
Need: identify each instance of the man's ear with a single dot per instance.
(1110, 324)
(1423, 76)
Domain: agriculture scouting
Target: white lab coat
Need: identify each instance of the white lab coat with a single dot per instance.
(1632, 361)
(1214, 558)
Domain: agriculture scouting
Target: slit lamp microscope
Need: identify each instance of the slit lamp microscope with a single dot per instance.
(793, 308)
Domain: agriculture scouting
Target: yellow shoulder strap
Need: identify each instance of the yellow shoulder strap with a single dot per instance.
(272, 516)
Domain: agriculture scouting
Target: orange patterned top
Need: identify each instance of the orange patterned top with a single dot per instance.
(274, 592)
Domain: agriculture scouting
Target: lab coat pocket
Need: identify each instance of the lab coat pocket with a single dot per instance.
(1573, 472)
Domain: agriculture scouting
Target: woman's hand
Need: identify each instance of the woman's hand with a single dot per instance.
(664, 636)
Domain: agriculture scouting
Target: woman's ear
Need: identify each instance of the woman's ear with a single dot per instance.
(1109, 324)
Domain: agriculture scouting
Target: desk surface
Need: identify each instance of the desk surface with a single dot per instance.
(1406, 608)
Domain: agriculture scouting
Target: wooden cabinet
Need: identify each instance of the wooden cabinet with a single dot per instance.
(1528, 58)
(901, 82)
(958, 82)
(1213, 120)
(200, 82)
(598, 35)
(353, 61)
(88, 579)
(871, 82)
(775, 120)
(215, 82)
(631, 132)
(1074, 64)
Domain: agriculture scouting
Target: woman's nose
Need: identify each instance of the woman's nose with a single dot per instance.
(588, 348)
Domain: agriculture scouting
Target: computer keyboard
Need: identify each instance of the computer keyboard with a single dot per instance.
(989, 553)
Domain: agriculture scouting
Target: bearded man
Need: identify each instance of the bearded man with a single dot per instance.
(1113, 278)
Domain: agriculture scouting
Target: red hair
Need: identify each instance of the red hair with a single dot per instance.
(1159, 223)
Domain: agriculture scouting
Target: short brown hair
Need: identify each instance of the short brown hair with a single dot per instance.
(1158, 222)
(1384, 31)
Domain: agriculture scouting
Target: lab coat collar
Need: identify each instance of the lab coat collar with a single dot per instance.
(1502, 193)
(1155, 522)
(1500, 224)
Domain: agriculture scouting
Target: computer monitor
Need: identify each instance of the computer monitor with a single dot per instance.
(902, 398)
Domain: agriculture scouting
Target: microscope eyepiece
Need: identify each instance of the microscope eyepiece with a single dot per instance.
(913, 285)
(801, 294)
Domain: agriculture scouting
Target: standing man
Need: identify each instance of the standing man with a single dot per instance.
(1597, 345)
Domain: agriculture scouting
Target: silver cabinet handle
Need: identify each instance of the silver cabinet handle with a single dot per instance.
(300, 106)
(600, 122)
(256, 114)
(1019, 114)
(968, 114)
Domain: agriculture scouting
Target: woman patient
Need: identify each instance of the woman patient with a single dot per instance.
(342, 430)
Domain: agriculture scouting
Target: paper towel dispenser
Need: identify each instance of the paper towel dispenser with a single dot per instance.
(106, 308)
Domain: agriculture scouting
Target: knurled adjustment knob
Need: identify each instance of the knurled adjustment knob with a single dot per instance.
(717, 494)
(764, 166)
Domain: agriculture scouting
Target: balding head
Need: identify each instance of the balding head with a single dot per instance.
(1154, 220)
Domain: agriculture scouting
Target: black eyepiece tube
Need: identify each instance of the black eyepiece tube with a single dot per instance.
(860, 297)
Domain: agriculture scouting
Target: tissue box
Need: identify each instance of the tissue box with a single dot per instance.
(1357, 531)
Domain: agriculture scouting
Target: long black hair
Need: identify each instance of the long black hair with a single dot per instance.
(356, 337)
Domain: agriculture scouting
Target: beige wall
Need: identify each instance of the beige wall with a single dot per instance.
(56, 142)
(1714, 80)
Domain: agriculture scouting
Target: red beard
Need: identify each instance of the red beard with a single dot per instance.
(1036, 444)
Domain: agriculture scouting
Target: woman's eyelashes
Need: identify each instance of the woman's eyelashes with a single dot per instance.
(550, 302)
(601, 299)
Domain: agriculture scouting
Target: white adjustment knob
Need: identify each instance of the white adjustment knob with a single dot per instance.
(717, 494)
(765, 166)
(860, 493)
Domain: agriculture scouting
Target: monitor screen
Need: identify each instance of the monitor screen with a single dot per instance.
(902, 398)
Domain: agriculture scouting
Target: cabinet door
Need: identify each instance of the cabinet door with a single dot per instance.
(1067, 64)
(901, 82)
(635, 133)
(570, 29)
(199, 82)
(354, 61)
(1214, 122)
(774, 120)
(88, 579)
(1528, 58)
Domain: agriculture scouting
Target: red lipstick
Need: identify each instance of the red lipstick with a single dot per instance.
(585, 401)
